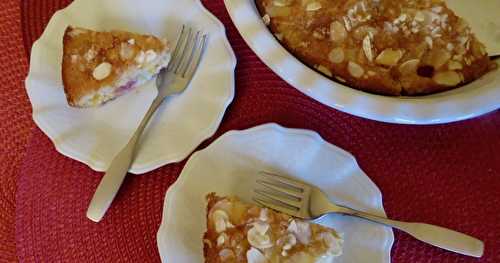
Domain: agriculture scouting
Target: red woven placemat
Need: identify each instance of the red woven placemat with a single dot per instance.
(15, 120)
(444, 174)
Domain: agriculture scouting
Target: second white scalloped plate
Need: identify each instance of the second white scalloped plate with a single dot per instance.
(94, 136)
(477, 98)
(228, 167)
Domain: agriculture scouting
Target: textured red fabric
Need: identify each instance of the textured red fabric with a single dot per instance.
(15, 120)
(443, 174)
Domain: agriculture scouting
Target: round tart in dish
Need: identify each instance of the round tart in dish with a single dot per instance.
(410, 47)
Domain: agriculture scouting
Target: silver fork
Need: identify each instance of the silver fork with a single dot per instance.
(172, 80)
(304, 201)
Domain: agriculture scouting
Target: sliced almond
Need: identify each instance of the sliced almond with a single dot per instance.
(367, 48)
(289, 241)
(447, 78)
(429, 41)
(389, 57)
(140, 57)
(90, 54)
(126, 51)
(281, 3)
(355, 70)
(340, 79)
(258, 239)
(409, 67)
(267, 19)
(314, 6)
(337, 55)
(318, 35)
(437, 9)
(438, 57)
(455, 65)
(324, 70)
(361, 32)
(390, 28)
(102, 71)
(221, 239)
(254, 255)
(347, 22)
(150, 56)
(337, 32)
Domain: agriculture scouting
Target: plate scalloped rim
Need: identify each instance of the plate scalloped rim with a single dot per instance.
(169, 201)
(70, 150)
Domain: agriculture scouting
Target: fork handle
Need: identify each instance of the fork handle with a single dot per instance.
(431, 234)
(114, 176)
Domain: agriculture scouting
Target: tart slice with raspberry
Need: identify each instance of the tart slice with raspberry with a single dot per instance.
(100, 66)
(241, 232)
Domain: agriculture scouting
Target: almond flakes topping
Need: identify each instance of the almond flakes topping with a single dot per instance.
(355, 70)
(337, 32)
(447, 78)
(389, 57)
(102, 71)
(367, 48)
(336, 56)
(314, 6)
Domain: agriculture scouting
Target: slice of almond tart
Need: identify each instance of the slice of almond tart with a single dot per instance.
(241, 232)
(100, 66)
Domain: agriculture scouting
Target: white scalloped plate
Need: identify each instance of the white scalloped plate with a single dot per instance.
(94, 136)
(228, 166)
(477, 98)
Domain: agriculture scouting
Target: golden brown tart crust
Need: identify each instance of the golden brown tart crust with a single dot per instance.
(409, 47)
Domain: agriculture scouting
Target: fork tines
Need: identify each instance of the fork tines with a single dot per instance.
(188, 52)
(280, 193)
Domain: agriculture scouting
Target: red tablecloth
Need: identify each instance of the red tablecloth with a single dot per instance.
(15, 120)
(444, 174)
